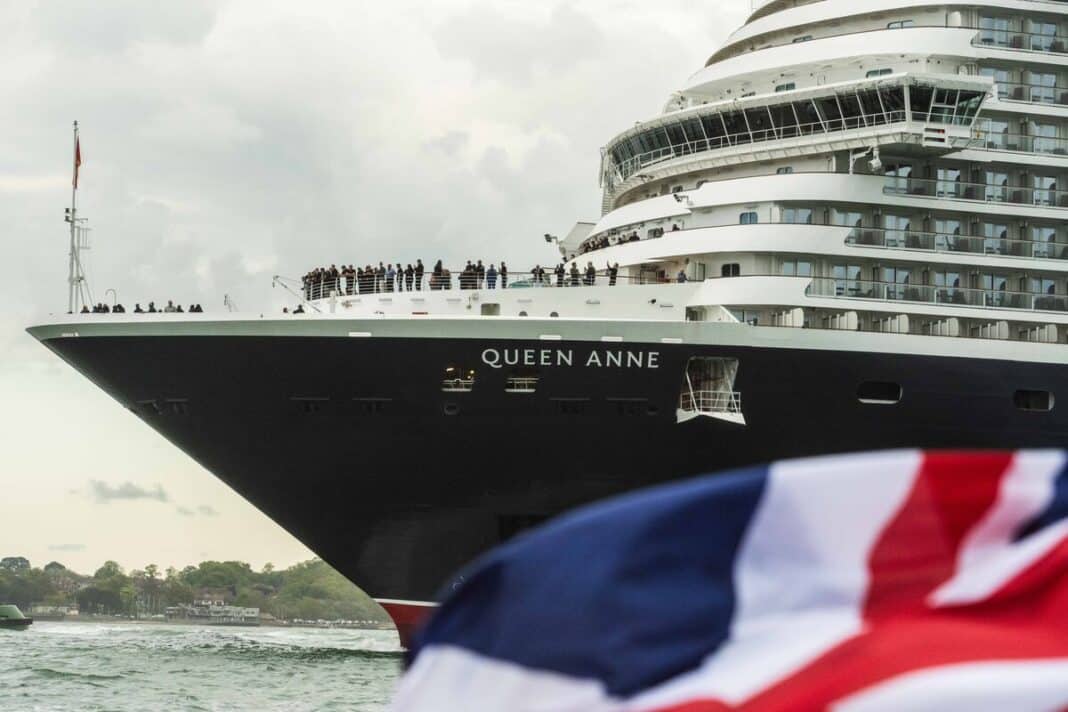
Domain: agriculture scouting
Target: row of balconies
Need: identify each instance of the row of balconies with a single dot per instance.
(957, 243)
(986, 192)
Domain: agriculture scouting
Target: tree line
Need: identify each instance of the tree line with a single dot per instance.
(311, 590)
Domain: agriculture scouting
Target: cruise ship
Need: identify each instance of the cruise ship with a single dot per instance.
(845, 232)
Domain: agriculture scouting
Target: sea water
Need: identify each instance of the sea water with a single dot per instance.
(129, 666)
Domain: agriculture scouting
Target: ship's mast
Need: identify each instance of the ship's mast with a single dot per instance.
(76, 282)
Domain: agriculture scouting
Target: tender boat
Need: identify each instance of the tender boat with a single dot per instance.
(11, 618)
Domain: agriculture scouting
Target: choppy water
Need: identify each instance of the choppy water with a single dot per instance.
(104, 666)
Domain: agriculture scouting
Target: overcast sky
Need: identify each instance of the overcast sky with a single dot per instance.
(225, 142)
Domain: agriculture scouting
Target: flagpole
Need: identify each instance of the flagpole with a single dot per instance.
(73, 218)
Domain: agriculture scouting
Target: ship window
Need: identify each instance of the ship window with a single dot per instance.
(748, 218)
(878, 72)
(803, 38)
(458, 379)
(789, 86)
(784, 170)
(900, 24)
(571, 406)
(797, 215)
(1036, 401)
(310, 404)
(629, 407)
(879, 393)
(491, 310)
(731, 270)
(522, 380)
(371, 406)
(796, 268)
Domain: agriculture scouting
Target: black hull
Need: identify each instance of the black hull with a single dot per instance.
(397, 494)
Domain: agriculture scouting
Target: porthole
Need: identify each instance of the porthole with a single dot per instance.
(554, 314)
(451, 409)
(879, 393)
(522, 313)
(1033, 401)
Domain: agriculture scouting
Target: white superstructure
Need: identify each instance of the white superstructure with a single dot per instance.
(861, 166)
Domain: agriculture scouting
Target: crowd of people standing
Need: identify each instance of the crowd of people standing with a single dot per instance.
(170, 308)
(348, 280)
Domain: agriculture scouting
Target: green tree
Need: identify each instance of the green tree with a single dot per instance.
(14, 563)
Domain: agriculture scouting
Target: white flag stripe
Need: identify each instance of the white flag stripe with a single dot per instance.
(988, 557)
(803, 567)
(1032, 685)
(447, 678)
(757, 660)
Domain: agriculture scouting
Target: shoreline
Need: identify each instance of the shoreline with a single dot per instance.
(204, 624)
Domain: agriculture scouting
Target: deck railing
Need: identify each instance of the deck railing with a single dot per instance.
(952, 242)
(993, 298)
(1020, 143)
(1015, 39)
(632, 165)
(704, 401)
(343, 287)
(984, 192)
(1033, 93)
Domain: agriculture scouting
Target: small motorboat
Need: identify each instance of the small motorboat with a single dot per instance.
(11, 618)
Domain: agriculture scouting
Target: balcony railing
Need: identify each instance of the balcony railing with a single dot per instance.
(709, 402)
(1033, 93)
(829, 287)
(1001, 141)
(458, 385)
(952, 242)
(521, 384)
(1030, 41)
(987, 192)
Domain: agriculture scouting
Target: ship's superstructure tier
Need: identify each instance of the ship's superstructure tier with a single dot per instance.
(874, 166)
(895, 167)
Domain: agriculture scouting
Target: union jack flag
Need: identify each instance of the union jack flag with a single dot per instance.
(896, 581)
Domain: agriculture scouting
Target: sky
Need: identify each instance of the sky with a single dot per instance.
(226, 142)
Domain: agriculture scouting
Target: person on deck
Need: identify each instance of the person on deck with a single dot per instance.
(491, 277)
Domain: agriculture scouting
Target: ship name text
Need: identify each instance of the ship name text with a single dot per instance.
(598, 358)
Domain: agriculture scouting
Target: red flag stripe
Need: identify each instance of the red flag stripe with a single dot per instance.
(919, 549)
(1006, 628)
(77, 159)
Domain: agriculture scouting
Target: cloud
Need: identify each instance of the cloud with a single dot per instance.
(104, 493)
(203, 510)
(67, 547)
(512, 45)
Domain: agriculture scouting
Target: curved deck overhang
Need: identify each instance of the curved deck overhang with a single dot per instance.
(830, 11)
(796, 239)
(815, 188)
(806, 58)
(776, 291)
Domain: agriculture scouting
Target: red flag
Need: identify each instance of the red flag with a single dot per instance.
(77, 160)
